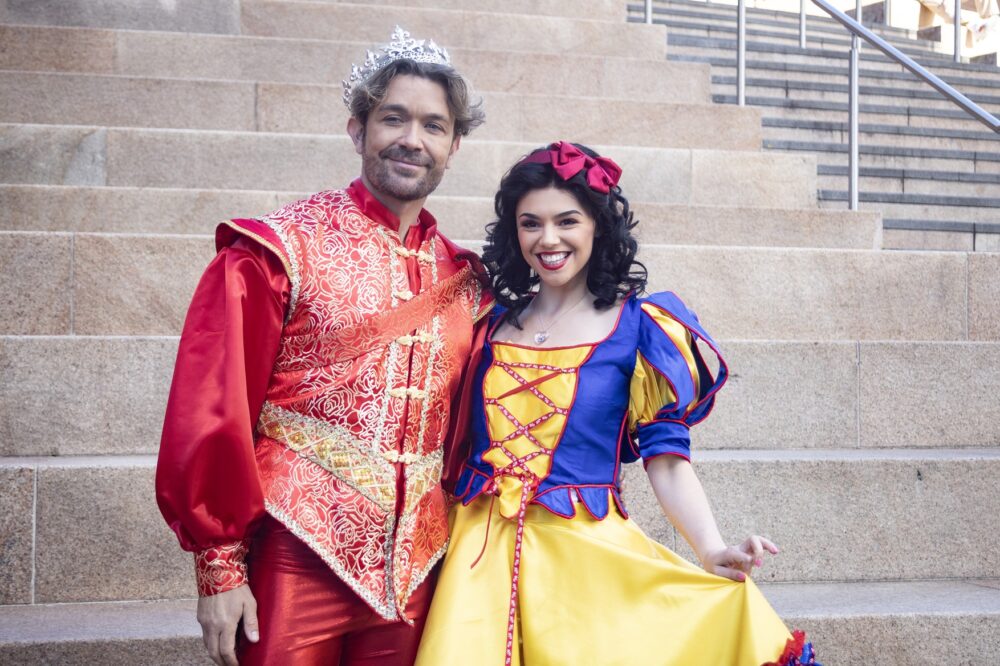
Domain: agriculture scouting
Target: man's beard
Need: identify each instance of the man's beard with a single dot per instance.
(382, 179)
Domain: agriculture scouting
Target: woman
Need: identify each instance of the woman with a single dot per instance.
(579, 375)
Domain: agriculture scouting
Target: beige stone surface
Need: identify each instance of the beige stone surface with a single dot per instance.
(181, 15)
(56, 49)
(36, 271)
(805, 294)
(912, 640)
(100, 536)
(128, 210)
(176, 651)
(720, 180)
(987, 242)
(188, 159)
(16, 548)
(75, 99)
(83, 395)
(321, 62)
(196, 211)
(41, 154)
(465, 29)
(909, 239)
(920, 622)
(136, 285)
(847, 515)
(520, 117)
(749, 226)
(929, 394)
(984, 296)
(607, 10)
(784, 395)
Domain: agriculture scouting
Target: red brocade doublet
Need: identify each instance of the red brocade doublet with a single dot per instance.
(349, 443)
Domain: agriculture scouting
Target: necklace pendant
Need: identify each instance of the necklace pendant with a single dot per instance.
(541, 336)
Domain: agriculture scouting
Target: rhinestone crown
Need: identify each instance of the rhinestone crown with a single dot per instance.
(400, 47)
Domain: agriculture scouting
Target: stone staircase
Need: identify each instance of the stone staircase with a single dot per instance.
(858, 430)
(931, 170)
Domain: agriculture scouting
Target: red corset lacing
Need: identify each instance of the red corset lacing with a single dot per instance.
(518, 468)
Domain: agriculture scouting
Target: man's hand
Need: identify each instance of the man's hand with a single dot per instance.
(219, 615)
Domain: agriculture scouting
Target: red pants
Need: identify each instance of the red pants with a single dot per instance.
(307, 615)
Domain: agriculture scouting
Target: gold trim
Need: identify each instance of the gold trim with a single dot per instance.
(386, 608)
(485, 311)
(335, 449)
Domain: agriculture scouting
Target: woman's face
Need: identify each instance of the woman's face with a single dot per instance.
(556, 236)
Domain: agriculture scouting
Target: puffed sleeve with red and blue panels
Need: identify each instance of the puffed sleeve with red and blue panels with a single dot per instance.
(672, 388)
(207, 485)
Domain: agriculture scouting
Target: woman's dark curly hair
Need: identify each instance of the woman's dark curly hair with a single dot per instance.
(613, 271)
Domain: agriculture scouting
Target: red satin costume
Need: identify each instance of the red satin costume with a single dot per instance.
(304, 437)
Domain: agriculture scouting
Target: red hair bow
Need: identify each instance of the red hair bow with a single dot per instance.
(568, 160)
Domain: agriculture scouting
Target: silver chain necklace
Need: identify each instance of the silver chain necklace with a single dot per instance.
(542, 334)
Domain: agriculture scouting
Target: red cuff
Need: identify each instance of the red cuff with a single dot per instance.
(221, 568)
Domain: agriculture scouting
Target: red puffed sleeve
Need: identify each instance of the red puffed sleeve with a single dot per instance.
(206, 476)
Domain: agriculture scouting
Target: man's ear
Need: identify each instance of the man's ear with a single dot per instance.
(356, 131)
(454, 149)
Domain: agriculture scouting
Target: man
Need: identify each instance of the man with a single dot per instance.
(303, 443)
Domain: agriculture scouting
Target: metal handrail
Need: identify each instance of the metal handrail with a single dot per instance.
(859, 32)
(909, 63)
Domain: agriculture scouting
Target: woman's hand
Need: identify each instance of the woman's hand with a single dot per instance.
(736, 562)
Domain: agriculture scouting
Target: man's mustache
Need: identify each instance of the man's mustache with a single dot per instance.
(409, 156)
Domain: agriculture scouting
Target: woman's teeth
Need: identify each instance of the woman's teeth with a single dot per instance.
(554, 258)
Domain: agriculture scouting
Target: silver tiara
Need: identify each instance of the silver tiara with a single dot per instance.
(400, 47)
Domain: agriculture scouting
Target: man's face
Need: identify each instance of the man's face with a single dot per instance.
(408, 140)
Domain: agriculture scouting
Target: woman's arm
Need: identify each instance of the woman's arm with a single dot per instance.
(685, 505)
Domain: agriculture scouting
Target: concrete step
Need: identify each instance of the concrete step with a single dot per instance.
(916, 622)
(119, 101)
(838, 92)
(76, 155)
(839, 515)
(763, 49)
(155, 633)
(238, 58)
(895, 157)
(172, 211)
(913, 181)
(125, 284)
(922, 51)
(224, 17)
(932, 206)
(908, 115)
(878, 388)
(974, 84)
(907, 624)
(816, 18)
(600, 10)
(451, 28)
(808, 130)
(944, 235)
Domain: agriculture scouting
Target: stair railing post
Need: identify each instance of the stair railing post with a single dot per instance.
(852, 156)
(958, 30)
(741, 53)
(802, 23)
(649, 11)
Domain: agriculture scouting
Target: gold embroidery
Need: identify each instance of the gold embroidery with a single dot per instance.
(407, 340)
(397, 457)
(386, 608)
(419, 254)
(334, 449)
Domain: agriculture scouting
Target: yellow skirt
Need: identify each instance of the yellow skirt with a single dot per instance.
(590, 592)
